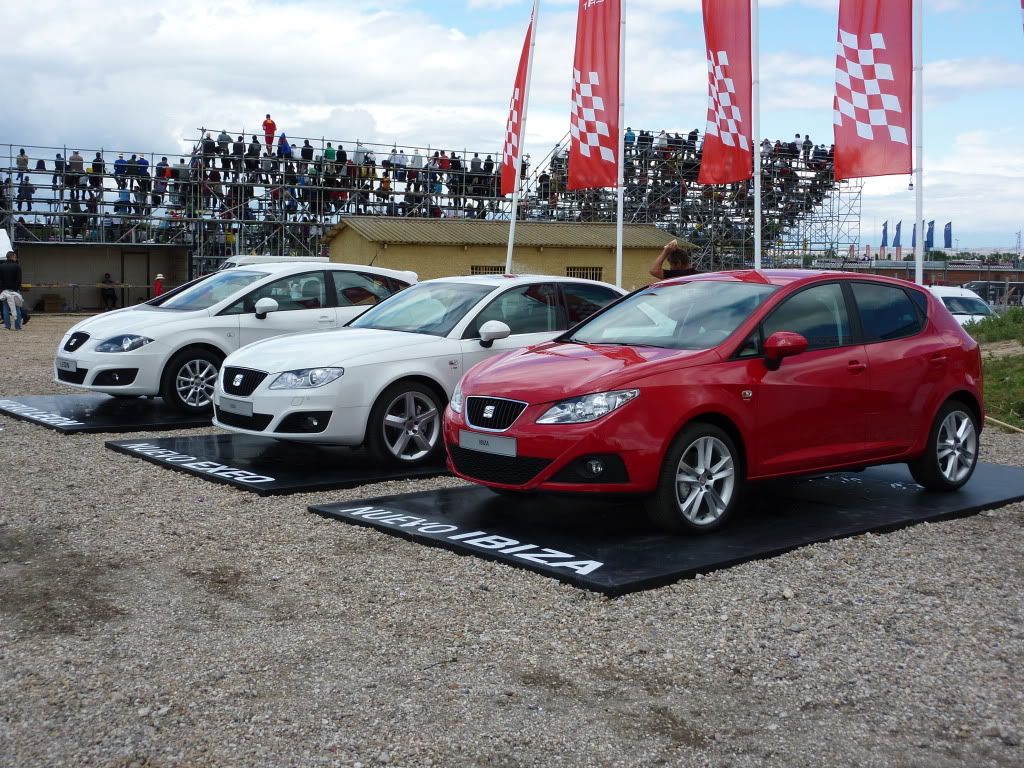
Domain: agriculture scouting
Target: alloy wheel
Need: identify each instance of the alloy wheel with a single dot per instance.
(412, 426)
(705, 480)
(956, 446)
(195, 383)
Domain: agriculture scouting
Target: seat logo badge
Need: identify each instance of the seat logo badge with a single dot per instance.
(489, 412)
(237, 381)
(746, 394)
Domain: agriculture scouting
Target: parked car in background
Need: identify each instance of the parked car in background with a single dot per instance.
(964, 304)
(173, 346)
(691, 388)
(384, 380)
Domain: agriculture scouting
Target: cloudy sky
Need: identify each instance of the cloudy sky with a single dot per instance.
(146, 76)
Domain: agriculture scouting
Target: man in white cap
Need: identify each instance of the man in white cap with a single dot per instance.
(158, 284)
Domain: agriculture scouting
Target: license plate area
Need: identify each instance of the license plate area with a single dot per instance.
(475, 441)
(64, 364)
(237, 407)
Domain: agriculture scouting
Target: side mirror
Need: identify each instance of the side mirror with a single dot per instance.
(780, 345)
(265, 306)
(491, 330)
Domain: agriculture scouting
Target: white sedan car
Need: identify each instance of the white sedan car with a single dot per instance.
(384, 380)
(965, 305)
(173, 345)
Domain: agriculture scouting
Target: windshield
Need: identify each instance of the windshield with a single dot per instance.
(966, 305)
(213, 290)
(694, 315)
(431, 308)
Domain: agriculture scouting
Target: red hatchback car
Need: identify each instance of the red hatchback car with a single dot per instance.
(690, 388)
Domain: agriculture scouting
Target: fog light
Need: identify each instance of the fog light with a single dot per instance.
(595, 467)
(115, 377)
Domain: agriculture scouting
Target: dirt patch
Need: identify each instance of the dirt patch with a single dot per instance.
(51, 590)
(222, 580)
(1002, 349)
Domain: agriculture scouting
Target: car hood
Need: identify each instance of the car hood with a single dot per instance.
(142, 319)
(554, 371)
(338, 347)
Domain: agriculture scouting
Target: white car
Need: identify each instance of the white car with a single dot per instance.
(173, 345)
(966, 305)
(384, 380)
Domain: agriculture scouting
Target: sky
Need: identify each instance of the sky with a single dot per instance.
(147, 76)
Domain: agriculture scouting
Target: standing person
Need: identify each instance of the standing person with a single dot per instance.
(25, 192)
(58, 174)
(158, 285)
(107, 292)
(269, 129)
(99, 168)
(75, 171)
(10, 287)
(224, 148)
(21, 162)
(678, 257)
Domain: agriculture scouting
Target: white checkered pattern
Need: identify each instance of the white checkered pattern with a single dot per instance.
(864, 85)
(724, 118)
(586, 125)
(511, 151)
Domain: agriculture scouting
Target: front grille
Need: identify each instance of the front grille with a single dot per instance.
(248, 383)
(502, 412)
(76, 341)
(510, 470)
(72, 377)
(257, 422)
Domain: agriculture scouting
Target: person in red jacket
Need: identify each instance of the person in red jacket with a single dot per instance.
(158, 285)
(269, 129)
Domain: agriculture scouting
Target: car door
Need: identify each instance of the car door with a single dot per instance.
(304, 304)
(809, 411)
(906, 365)
(356, 292)
(533, 313)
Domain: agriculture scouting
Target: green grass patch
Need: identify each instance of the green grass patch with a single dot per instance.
(1008, 326)
(1004, 388)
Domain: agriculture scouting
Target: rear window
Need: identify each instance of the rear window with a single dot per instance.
(886, 312)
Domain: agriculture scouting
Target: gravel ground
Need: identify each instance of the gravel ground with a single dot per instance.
(148, 618)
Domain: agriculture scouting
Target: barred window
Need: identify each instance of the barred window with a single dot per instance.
(484, 269)
(585, 273)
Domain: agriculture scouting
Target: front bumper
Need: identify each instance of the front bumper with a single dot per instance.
(104, 371)
(558, 458)
(276, 413)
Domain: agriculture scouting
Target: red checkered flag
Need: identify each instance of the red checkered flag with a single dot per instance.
(728, 155)
(872, 109)
(516, 118)
(594, 124)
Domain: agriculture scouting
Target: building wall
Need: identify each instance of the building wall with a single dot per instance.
(71, 272)
(430, 261)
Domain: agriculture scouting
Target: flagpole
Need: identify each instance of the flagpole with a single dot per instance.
(755, 125)
(919, 135)
(621, 145)
(522, 137)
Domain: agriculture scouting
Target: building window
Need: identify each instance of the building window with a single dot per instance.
(585, 273)
(483, 269)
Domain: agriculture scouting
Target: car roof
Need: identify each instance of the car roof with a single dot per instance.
(300, 265)
(500, 281)
(949, 290)
(783, 277)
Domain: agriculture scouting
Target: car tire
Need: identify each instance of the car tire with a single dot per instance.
(189, 380)
(951, 453)
(405, 425)
(700, 482)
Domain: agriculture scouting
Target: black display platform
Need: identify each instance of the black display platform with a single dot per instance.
(609, 547)
(93, 412)
(266, 466)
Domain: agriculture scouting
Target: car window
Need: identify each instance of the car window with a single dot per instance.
(582, 300)
(218, 287)
(818, 314)
(356, 289)
(307, 290)
(432, 308)
(526, 309)
(886, 312)
(966, 305)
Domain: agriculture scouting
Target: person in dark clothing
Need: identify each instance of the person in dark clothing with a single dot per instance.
(678, 257)
(107, 292)
(10, 291)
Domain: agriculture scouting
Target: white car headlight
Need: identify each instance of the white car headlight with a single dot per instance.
(587, 408)
(126, 342)
(456, 402)
(307, 378)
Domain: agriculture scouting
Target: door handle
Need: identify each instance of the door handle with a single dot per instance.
(856, 366)
(937, 359)
(324, 319)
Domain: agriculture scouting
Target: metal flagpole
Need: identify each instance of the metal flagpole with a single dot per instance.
(919, 136)
(621, 174)
(755, 124)
(522, 134)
